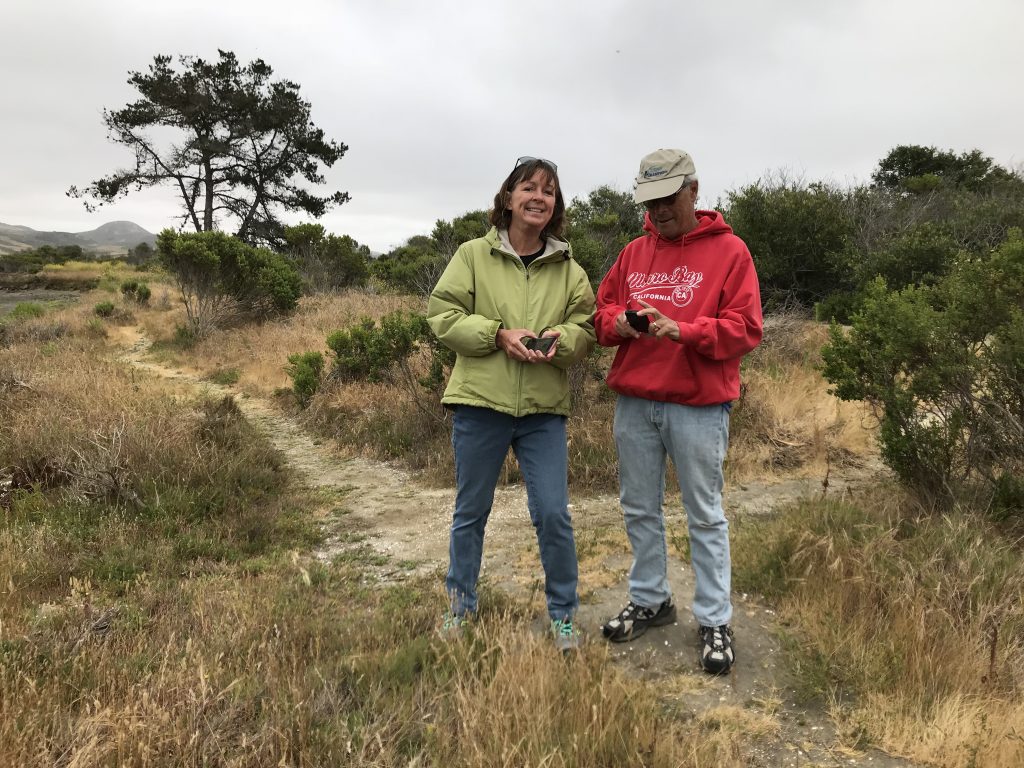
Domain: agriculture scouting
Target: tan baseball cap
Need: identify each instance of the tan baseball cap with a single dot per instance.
(662, 174)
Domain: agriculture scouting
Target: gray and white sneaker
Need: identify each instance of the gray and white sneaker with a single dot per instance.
(633, 621)
(716, 654)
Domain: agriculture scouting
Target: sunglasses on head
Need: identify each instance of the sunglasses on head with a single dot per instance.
(527, 159)
(650, 205)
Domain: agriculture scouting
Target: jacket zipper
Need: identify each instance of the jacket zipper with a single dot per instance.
(526, 319)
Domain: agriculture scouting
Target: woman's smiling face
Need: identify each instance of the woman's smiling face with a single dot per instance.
(532, 201)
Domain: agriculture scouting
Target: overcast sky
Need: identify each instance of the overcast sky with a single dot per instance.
(436, 99)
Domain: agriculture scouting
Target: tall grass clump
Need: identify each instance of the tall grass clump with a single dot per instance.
(785, 422)
(919, 616)
(91, 456)
(26, 309)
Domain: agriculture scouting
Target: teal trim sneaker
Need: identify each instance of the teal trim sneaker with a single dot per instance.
(453, 626)
(565, 636)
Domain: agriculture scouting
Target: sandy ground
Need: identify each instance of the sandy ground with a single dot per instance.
(383, 507)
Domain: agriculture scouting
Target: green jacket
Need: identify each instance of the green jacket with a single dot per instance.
(486, 287)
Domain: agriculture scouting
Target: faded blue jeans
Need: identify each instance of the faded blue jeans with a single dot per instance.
(696, 438)
(481, 438)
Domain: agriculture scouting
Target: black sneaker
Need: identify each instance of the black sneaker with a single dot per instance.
(633, 621)
(716, 654)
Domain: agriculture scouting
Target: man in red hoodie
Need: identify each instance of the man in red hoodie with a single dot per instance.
(682, 305)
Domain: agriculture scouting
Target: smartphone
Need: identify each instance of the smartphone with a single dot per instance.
(539, 343)
(639, 322)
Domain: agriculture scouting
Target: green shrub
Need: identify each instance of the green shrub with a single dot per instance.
(943, 366)
(185, 337)
(136, 291)
(327, 262)
(305, 369)
(220, 278)
(366, 351)
(801, 237)
(25, 310)
(917, 257)
(226, 377)
(416, 266)
(105, 309)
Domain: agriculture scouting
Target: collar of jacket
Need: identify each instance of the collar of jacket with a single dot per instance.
(554, 249)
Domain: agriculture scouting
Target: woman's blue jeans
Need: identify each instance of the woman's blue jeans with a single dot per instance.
(696, 438)
(481, 438)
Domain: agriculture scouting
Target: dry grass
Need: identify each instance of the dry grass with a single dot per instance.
(958, 730)
(260, 352)
(575, 712)
(921, 616)
(786, 423)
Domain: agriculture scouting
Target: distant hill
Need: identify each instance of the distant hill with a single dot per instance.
(112, 239)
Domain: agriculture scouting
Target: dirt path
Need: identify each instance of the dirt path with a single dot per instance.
(407, 525)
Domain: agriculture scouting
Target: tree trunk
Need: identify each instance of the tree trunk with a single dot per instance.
(208, 210)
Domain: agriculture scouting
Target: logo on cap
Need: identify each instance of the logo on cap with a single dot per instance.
(651, 173)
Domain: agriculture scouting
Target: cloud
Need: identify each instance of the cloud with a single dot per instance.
(436, 100)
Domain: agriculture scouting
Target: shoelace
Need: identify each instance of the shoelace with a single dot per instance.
(717, 639)
(634, 612)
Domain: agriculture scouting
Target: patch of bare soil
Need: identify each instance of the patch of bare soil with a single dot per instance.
(407, 525)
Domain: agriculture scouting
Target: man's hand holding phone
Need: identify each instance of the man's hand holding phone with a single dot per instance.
(637, 321)
(631, 324)
(634, 322)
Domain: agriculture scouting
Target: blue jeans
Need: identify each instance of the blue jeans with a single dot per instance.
(481, 438)
(696, 438)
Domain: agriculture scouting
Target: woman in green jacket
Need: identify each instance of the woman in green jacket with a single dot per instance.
(502, 300)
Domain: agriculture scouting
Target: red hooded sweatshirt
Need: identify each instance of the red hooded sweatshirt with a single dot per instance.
(706, 282)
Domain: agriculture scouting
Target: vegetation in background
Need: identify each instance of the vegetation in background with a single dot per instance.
(326, 262)
(800, 236)
(415, 267)
(34, 260)
(221, 278)
(912, 168)
(599, 226)
(233, 142)
(821, 245)
(137, 291)
(305, 370)
(141, 255)
(944, 366)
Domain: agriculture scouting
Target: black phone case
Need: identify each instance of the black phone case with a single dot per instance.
(639, 322)
(540, 344)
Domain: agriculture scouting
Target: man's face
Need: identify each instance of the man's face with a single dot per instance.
(674, 216)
